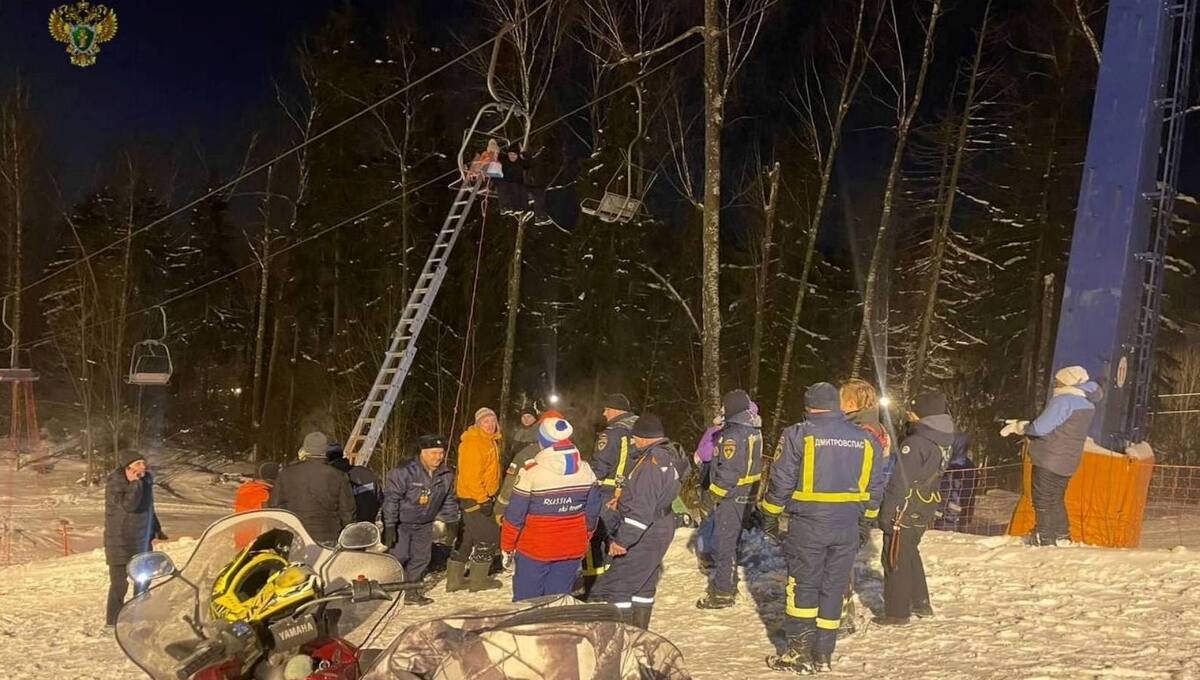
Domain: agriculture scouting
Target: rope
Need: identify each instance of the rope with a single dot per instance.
(470, 335)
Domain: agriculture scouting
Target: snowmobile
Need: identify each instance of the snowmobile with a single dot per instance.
(282, 607)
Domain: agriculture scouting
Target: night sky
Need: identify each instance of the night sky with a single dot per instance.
(177, 71)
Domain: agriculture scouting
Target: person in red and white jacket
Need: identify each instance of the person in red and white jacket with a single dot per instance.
(552, 514)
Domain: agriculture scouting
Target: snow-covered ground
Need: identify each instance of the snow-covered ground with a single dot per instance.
(190, 492)
(1003, 611)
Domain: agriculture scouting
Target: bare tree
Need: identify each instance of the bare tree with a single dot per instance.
(536, 39)
(908, 102)
(823, 120)
(16, 155)
(916, 373)
(769, 200)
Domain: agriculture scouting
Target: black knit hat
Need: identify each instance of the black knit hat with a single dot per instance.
(431, 441)
(617, 402)
(823, 397)
(735, 402)
(929, 404)
(649, 426)
(129, 457)
(268, 471)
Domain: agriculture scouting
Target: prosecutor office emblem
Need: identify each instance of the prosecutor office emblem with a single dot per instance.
(728, 448)
(602, 442)
(83, 27)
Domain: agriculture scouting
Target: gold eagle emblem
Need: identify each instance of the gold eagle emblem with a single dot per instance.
(83, 27)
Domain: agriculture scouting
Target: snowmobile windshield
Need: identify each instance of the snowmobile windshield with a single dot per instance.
(160, 627)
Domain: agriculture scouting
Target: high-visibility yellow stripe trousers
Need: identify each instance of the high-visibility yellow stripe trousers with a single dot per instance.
(820, 557)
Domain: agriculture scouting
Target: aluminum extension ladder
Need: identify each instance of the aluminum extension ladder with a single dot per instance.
(399, 356)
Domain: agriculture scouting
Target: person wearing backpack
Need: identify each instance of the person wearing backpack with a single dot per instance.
(910, 503)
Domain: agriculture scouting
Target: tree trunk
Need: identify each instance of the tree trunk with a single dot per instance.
(883, 234)
(510, 328)
(1045, 351)
(292, 363)
(260, 333)
(855, 68)
(272, 358)
(117, 374)
(763, 275)
(1029, 368)
(710, 287)
(942, 230)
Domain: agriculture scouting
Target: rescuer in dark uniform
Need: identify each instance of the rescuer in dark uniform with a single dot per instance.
(613, 459)
(828, 477)
(735, 471)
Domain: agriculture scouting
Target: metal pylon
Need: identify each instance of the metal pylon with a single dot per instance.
(1173, 105)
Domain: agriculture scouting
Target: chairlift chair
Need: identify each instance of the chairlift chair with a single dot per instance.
(506, 109)
(150, 360)
(13, 374)
(618, 208)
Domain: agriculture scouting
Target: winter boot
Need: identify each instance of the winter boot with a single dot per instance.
(922, 610)
(416, 598)
(847, 628)
(890, 621)
(798, 657)
(822, 663)
(716, 600)
(641, 617)
(478, 578)
(456, 576)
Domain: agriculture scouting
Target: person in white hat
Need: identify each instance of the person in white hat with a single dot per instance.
(1056, 444)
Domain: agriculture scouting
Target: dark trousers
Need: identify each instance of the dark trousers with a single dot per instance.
(535, 578)
(632, 580)
(728, 518)
(481, 537)
(118, 587)
(904, 585)
(413, 549)
(596, 561)
(1050, 506)
(820, 558)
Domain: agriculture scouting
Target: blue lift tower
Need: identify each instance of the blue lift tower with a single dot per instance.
(1112, 297)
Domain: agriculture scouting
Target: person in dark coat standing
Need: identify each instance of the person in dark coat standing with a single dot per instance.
(1057, 438)
(364, 484)
(130, 524)
(736, 469)
(418, 493)
(827, 477)
(910, 503)
(314, 491)
(639, 543)
(613, 458)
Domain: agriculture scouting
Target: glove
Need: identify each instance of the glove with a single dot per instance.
(865, 524)
(390, 537)
(769, 524)
(1013, 427)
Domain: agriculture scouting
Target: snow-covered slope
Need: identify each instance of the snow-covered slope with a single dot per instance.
(1003, 611)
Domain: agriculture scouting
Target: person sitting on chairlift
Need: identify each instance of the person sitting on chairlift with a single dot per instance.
(486, 162)
(516, 193)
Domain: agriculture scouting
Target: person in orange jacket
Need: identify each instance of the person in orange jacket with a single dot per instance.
(477, 481)
(253, 495)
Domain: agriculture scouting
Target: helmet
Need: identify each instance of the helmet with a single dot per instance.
(260, 581)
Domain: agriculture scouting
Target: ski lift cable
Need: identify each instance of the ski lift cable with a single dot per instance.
(359, 217)
(297, 147)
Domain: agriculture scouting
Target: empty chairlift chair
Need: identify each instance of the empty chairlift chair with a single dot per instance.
(150, 360)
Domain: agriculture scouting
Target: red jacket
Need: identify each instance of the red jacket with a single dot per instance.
(252, 495)
(554, 507)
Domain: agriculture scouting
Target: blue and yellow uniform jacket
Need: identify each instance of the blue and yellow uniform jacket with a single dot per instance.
(826, 468)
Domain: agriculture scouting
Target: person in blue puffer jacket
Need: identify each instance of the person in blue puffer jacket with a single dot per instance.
(1056, 447)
